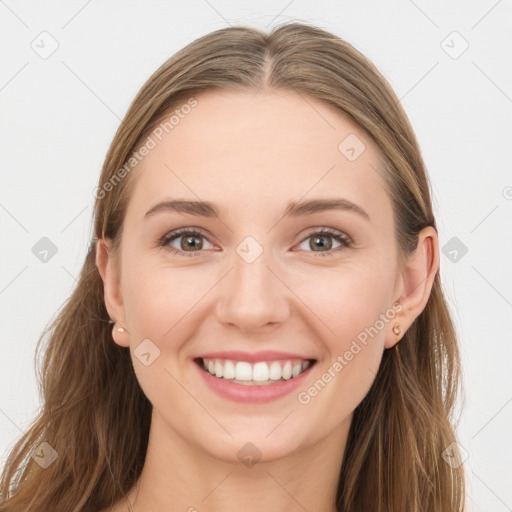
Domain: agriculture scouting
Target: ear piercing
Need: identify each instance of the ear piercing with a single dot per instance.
(119, 329)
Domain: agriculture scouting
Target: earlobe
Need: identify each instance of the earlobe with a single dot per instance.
(417, 278)
(396, 331)
(105, 263)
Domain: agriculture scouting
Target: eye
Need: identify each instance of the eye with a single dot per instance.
(321, 242)
(189, 242)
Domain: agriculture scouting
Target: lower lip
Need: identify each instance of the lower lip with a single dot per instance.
(255, 393)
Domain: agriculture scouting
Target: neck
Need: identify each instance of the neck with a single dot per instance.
(179, 476)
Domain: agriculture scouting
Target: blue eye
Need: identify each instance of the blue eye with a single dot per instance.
(192, 242)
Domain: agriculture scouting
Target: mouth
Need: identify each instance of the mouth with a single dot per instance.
(254, 373)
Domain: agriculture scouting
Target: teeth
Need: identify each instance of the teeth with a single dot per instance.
(297, 368)
(219, 369)
(275, 371)
(260, 372)
(287, 370)
(245, 372)
(229, 370)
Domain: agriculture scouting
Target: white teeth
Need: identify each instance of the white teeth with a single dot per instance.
(219, 369)
(229, 370)
(260, 372)
(275, 371)
(297, 368)
(287, 370)
(243, 371)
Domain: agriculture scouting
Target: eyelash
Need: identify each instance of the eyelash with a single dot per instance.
(343, 239)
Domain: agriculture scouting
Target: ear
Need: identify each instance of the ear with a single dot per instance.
(416, 279)
(109, 271)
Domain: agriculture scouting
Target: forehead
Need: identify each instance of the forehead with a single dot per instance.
(241, 149)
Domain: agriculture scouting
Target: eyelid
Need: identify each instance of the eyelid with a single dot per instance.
(329, 231)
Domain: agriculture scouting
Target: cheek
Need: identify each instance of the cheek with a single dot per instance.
(352, 315)
(350, 308)
(161, 302)
(346, 301)
(161, 305)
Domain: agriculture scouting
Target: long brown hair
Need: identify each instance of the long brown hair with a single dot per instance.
(394, 453)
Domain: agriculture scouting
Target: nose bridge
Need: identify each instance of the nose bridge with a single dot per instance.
(252, 296)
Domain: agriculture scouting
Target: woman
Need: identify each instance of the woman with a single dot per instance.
(259, 322)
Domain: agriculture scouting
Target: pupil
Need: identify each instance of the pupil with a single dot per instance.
(190, 242)
(320, 243)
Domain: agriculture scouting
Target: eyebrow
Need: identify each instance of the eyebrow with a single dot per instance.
(294, 208)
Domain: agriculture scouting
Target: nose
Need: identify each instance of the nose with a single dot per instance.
(252, 297)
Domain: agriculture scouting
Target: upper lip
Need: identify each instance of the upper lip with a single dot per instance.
(265, 355)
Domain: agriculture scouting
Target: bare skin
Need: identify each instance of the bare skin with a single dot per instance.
(251, 154)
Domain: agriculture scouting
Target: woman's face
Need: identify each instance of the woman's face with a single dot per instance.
(257, 283)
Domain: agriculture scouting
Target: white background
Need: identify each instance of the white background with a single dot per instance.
(59, 114)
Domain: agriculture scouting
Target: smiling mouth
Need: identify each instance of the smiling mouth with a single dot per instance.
(259, 373)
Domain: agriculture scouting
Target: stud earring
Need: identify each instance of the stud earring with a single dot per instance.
(397, 330)
(120, 329)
